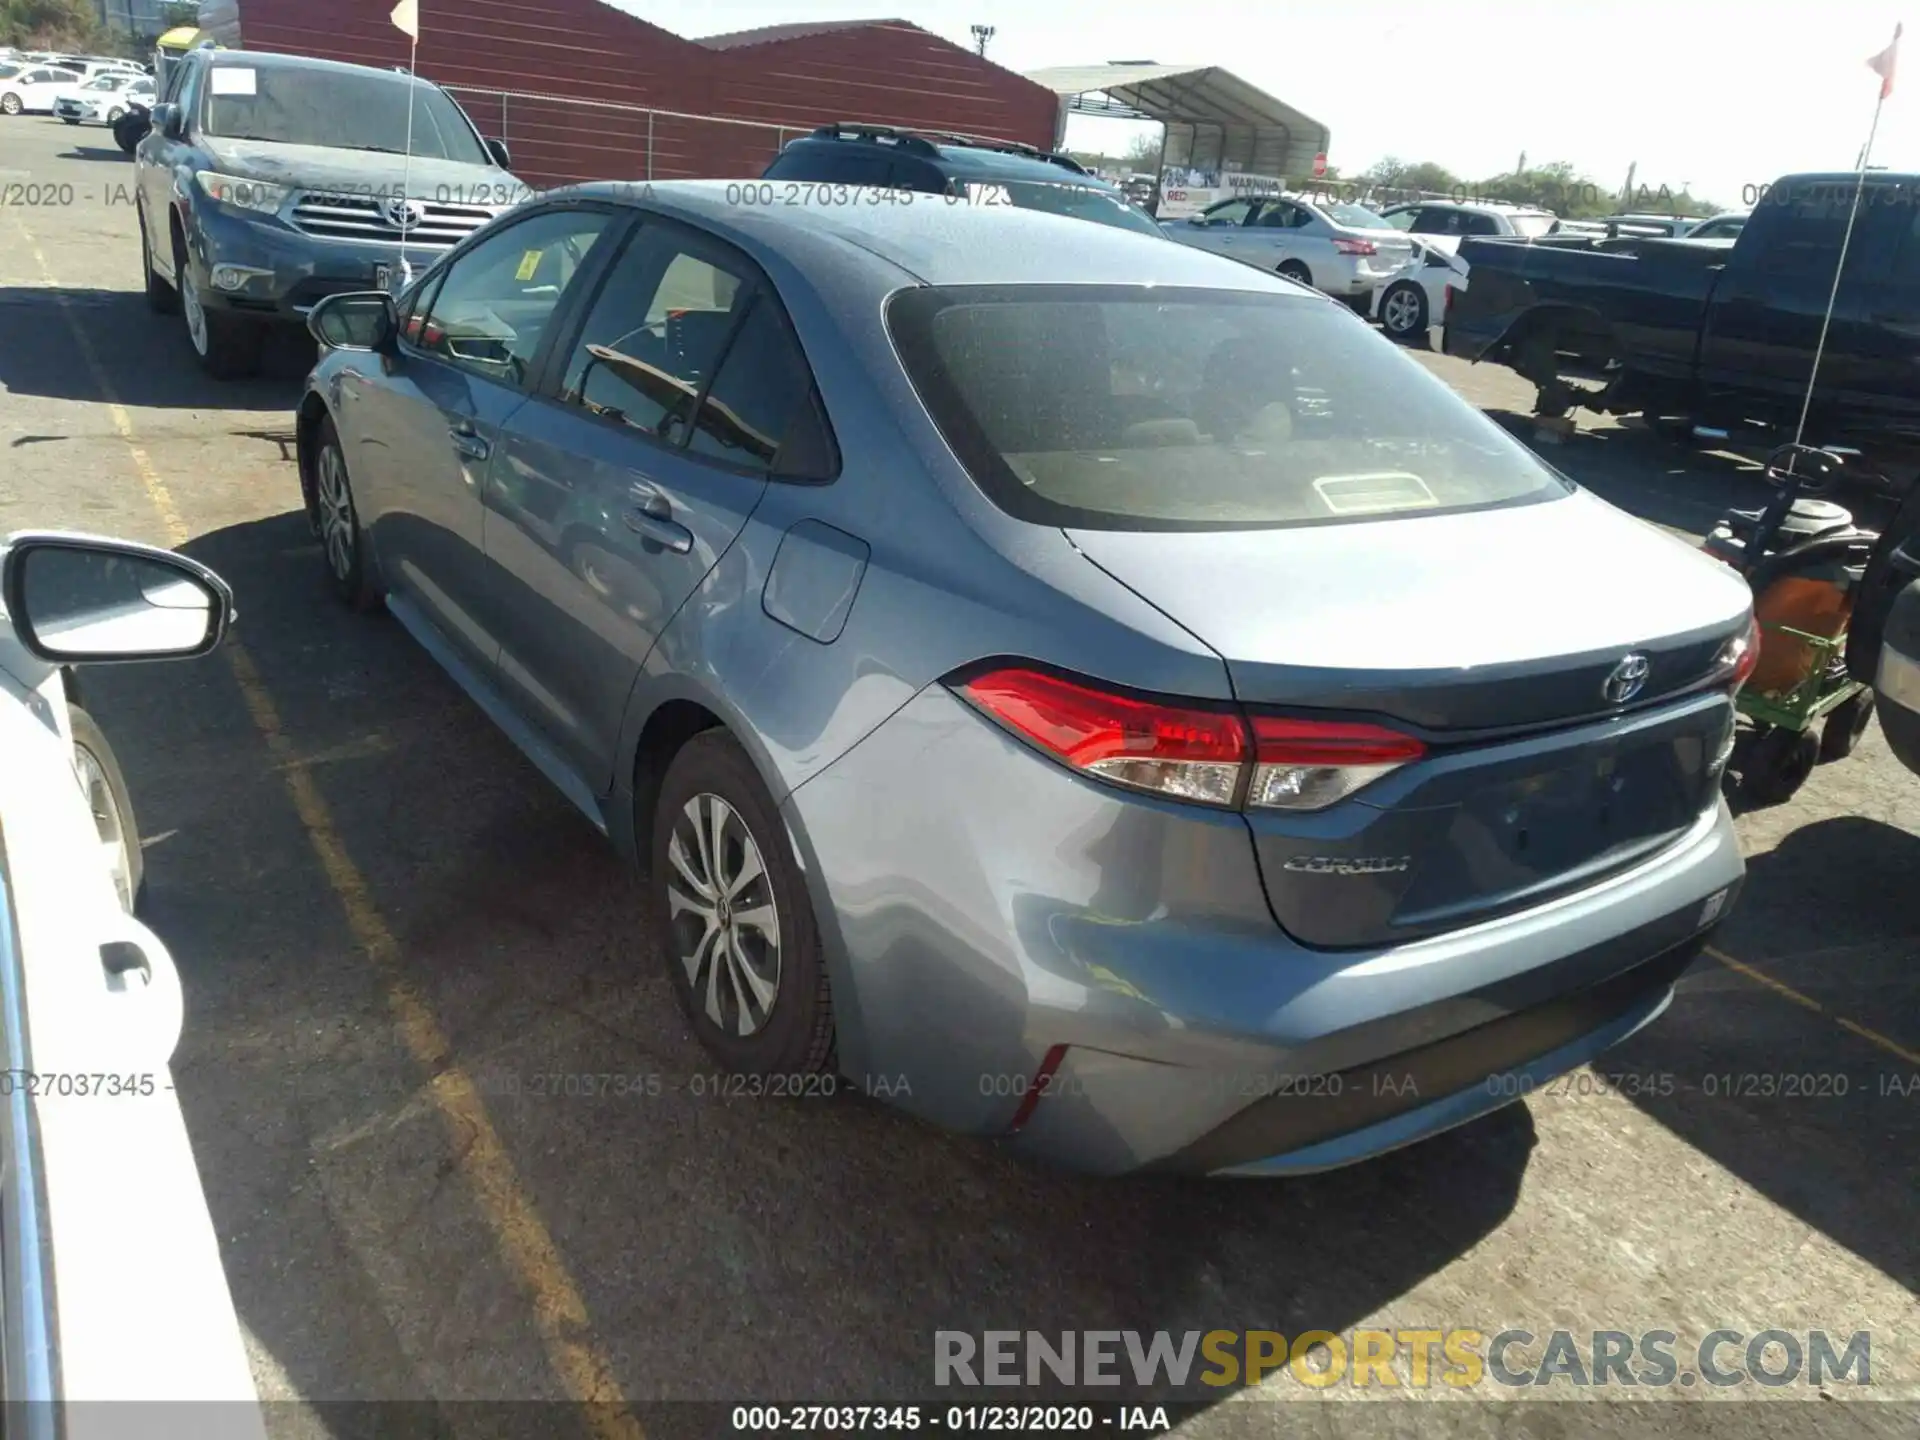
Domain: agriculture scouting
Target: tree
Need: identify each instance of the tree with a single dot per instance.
(176, 13)
(1143, 155)
(48, 24)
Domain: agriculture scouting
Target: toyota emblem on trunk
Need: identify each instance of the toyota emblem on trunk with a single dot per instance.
(402, 213)
(1626, 679)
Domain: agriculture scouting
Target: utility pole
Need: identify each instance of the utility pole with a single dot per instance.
(981, 35)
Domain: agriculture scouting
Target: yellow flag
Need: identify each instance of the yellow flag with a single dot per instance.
(406, 15)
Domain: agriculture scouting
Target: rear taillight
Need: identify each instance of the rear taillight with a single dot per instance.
(1186, 753)
(1446, 307)
(1309, 764)
(1735, 663)
(1356, 247)
(1210, 754)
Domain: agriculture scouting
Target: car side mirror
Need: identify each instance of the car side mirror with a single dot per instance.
(75, 599)
(356, 320)
(167, 120)
(502, 156)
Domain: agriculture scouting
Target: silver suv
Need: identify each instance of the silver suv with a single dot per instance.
(270, 181)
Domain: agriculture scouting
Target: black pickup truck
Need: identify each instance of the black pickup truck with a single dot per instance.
(1721, 333)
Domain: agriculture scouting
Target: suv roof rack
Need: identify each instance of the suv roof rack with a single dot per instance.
(924, 141)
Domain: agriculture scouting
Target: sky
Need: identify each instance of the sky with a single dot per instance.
(1707, 94)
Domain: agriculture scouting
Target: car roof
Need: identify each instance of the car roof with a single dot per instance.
(272, 60)
(960, 160)
(942, 241)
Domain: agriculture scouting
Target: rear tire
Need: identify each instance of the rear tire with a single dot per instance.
(162, 298)
(1778, 765)
(766, 974)
(1846, 723)
(1297, 271)
(1403, 312)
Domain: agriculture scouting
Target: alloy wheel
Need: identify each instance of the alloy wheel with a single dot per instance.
(1401, 313)
(196, 313)
(336, 512)
(724, 920)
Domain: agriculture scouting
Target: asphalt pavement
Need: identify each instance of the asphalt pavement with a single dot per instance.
(402, 951)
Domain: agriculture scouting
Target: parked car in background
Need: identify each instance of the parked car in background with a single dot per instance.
(108, 1233)
(1720, 227)
(1670, 226)
(1414, 300)
(31, 90)
(1883, 636)
(1724, 332)
(1345, 250)
(743, 515)
(103, 99)
(1446, 220)
(267, 181)
(959, 167)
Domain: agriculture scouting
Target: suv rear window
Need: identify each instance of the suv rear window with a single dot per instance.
(1138, 408)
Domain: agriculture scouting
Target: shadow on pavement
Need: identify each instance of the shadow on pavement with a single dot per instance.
(94, 152)
(1818, 1119)
(152, 362)
(776, 1248)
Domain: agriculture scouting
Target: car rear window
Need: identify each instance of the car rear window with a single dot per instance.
(1534, 225)
(1355, 217)
(1142, 408)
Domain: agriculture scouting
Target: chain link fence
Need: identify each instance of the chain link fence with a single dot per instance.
(561, 139)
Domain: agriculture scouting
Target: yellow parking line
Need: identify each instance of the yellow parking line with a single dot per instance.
(1872, 1037)
(528, 1249)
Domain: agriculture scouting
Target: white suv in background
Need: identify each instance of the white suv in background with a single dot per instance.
(1345, 250)
(1446, 223)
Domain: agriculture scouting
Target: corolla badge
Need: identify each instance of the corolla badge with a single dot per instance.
(1627, 679)
(1348, 865)
(402, 213)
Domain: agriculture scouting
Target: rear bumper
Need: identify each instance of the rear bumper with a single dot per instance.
(985, 912)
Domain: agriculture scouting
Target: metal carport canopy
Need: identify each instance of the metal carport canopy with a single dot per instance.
(1212, 115)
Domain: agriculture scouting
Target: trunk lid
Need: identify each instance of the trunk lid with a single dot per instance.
(1489, 634)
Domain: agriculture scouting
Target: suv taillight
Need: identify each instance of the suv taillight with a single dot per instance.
(1356, 247)
(1208, 754)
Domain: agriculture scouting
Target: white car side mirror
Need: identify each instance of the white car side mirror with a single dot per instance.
(78, 599)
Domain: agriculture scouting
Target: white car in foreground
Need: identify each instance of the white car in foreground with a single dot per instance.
(103, 99)
(32, 89)
(1414, 299)
(111, 1283)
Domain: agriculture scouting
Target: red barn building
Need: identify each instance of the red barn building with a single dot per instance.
(581, 90)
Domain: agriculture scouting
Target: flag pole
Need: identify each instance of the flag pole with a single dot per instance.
(406, 163)
(1883, 66)
(1833, 295)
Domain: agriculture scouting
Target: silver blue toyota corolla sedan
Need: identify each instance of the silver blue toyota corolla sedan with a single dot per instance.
(1093, 692)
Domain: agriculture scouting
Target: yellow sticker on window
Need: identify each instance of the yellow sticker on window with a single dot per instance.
(529, 265)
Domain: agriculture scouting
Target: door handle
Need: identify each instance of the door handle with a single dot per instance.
(667, 534)
(467, 442)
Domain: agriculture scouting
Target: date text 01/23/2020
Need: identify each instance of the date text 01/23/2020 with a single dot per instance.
(997, 1419)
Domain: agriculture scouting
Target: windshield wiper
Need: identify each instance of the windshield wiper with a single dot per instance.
(377, 149)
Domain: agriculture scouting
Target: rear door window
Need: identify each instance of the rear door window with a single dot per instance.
(832, 163)
(1124, 408)
(760, 411)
